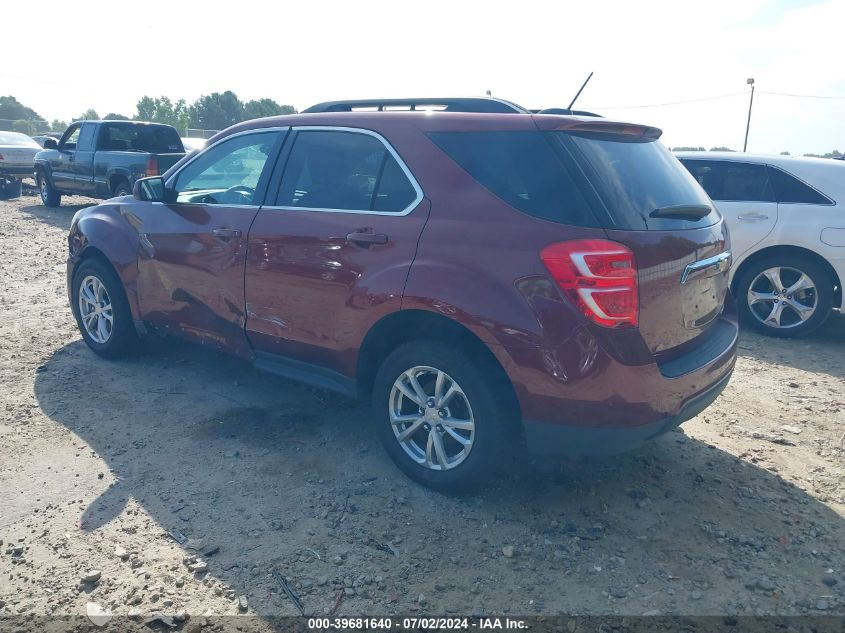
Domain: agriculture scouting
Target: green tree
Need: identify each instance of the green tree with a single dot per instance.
(163, 110)
(11, 108)
(265, 107)
(113, 116)
(721, 149)
(216, 111)
(687, 149)
(89, 115)
(58, 126)
(23, 126)
(834, 154)
(784, 154)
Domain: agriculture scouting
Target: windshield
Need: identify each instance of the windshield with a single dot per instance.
(634, 177)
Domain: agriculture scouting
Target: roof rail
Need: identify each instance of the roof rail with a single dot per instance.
(448, 104)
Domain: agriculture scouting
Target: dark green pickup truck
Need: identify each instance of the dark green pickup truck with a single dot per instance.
(103, 159)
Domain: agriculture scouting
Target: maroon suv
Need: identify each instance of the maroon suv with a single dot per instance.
(478, 274)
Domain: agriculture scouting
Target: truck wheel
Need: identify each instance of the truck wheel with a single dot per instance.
(49, 196)
(785, 296)
(122, 188)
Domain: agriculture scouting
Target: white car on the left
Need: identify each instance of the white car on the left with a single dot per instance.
(17, 161)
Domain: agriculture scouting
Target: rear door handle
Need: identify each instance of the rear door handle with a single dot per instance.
(365, 238)
(226, 233)
(752, 217)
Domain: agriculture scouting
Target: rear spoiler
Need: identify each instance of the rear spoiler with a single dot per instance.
(599, 127)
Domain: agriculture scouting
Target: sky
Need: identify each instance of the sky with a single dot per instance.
(106, 55)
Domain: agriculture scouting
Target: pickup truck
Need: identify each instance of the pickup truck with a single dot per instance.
(103, 159)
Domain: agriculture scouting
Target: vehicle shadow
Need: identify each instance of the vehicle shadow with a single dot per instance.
(282, 477)
(60, 216)
(821, 352)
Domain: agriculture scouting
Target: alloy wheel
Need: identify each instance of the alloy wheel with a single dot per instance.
(95, 309)
(782, 297)
(431, 418)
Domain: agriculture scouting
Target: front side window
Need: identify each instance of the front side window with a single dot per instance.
(732, 181)
(71, 138)
(344, 171)
(228, 172)
(790, 190)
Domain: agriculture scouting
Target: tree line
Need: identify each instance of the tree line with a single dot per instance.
(214, 111)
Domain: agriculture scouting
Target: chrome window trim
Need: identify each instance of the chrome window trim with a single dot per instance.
(198, 153)
(357, 130)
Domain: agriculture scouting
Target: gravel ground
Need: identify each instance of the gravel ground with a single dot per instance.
(740, 513)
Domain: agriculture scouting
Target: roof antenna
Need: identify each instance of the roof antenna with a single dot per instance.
(489, 94)
(578, 94)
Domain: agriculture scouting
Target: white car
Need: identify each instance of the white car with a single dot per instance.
(17, 161)
(786, 218)
(193, 143)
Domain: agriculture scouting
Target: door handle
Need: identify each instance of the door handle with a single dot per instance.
(226, 233)
(365, 238)
(752, 217)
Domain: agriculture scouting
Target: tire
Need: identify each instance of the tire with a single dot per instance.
(478, 400)
(10, 189)
(758, 281)
(118, 338)
(122, 188)
(49, 196)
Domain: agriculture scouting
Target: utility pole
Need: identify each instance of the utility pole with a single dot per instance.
(750, 82)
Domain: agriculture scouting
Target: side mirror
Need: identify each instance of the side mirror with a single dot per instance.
(150, 189)
(50, 143)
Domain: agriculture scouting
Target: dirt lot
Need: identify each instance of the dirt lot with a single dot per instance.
(99, 460)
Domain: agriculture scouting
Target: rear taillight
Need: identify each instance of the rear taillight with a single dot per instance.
(599, 276)
(152, 166)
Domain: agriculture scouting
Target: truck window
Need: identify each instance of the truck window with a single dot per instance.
(85, 142)
(129, 137)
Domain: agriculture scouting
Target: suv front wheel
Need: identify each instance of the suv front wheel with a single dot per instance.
(438, 416)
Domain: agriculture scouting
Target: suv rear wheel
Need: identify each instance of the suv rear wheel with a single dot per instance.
(438, 416)
(785, 296)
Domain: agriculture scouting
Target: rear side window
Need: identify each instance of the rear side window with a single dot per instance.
(732, 181)
(791, 190)
(344, 171)
(152, 139)
(635, 177)
(522, 169)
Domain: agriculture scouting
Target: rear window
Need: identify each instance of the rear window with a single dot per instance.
(634, 177)
(522, 169)
(152, 139)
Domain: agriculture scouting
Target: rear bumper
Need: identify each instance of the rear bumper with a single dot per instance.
(545, 438)
(16, 171)
(577, 398)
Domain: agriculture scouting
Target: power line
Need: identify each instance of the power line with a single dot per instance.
(725, 96)
(789, 94)
(669, 103)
